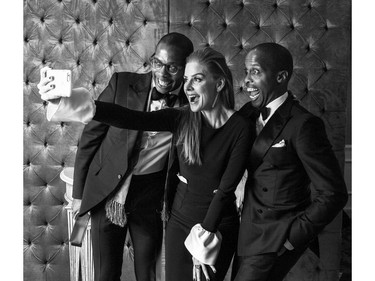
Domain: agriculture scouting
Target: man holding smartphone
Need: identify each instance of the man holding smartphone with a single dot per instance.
(119, 174)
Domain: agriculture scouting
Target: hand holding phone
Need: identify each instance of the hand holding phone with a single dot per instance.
(55, 83)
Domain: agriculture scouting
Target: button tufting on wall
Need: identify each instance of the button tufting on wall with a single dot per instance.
(309, 6)
(275, 5)
(43, 61)
(208, 3)
(95, 42)
(224, 24)
(78, 62)
(242, 4)
(291, 26)
(190, 24)
(145, 21)
(93, 83)
(77, 21)
(45, 103)
(42, 19)
(110, 63)
(45, 144)
(145, 64)
(26, 39)
(94, 1)
(60, 40)
(27, 82)
(110, 21)
(127, 42)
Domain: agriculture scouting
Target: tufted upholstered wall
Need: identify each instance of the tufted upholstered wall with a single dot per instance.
(95, 38)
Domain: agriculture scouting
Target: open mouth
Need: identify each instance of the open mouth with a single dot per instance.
(163, 84)
(193, 98)
(253, 93)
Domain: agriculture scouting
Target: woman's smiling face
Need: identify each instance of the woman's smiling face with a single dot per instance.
(200, 87)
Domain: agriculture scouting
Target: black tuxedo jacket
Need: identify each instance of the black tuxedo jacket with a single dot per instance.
(102, 160)
(290, 152)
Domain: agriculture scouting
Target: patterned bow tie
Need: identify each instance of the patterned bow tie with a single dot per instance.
(169, 98)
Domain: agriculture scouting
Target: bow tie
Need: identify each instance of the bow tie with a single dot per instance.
(169, 98)
(265, 112)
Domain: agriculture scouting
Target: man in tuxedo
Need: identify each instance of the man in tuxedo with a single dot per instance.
(119, 174)
(291, 151)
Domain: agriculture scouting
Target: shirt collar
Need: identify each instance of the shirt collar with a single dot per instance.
(274, 105)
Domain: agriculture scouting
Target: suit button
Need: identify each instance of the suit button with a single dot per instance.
(260, 211)
(265, 189)
(119, 177)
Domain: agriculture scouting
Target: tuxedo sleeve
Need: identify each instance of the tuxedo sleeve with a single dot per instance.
(321, 165)
(90, 141)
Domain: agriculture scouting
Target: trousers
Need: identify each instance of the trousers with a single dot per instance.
(268, 266)
(143, 206)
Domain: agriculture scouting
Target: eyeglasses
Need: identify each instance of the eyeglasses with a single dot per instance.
(171, 68)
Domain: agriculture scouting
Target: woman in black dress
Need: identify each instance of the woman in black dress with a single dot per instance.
(213, 145)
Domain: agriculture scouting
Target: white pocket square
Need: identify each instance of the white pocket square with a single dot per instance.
(280, 144)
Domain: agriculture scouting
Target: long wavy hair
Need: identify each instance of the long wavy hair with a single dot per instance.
(189, 133)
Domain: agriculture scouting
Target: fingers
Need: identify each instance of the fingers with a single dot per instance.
(213, 268)
(196, 273)
(205, 272)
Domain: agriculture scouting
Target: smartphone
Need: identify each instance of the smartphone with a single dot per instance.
(62, 80)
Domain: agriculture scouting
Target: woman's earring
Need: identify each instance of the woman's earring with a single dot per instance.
(215, 100)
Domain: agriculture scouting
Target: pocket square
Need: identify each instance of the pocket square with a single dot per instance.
(280, 144)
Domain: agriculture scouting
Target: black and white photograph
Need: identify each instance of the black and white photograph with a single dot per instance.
(176, 140)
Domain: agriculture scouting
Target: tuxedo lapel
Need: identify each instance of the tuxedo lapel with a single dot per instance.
(134, 91)
(270, 132)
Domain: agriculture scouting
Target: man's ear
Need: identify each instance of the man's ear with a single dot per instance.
(282, 76)
(220, 84)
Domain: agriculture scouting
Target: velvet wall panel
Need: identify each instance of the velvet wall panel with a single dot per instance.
(95, 38)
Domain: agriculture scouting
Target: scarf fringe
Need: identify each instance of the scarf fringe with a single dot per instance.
(115, 212)
(165, 214)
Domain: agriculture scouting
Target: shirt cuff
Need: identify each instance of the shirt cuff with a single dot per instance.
(79, 107)
(203, 245)
(288, 245)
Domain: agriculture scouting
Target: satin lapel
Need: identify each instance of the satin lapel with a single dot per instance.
(270, 132)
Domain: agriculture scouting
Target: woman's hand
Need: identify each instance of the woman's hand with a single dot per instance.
(46, 85)
(198, 267)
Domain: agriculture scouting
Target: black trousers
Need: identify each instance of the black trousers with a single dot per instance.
(179, 264)
(143, 206)
(267, 267)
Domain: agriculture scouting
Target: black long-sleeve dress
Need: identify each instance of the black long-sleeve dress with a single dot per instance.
(208, 196)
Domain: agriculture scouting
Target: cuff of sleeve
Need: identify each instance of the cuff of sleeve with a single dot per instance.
(79, 107)
(203, 245)
(288, 245)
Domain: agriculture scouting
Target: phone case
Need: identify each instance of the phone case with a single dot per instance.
(62, 81)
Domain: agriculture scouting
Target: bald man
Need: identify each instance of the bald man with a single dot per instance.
(291, 151)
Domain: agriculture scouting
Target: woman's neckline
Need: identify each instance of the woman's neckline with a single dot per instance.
(207, 125)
